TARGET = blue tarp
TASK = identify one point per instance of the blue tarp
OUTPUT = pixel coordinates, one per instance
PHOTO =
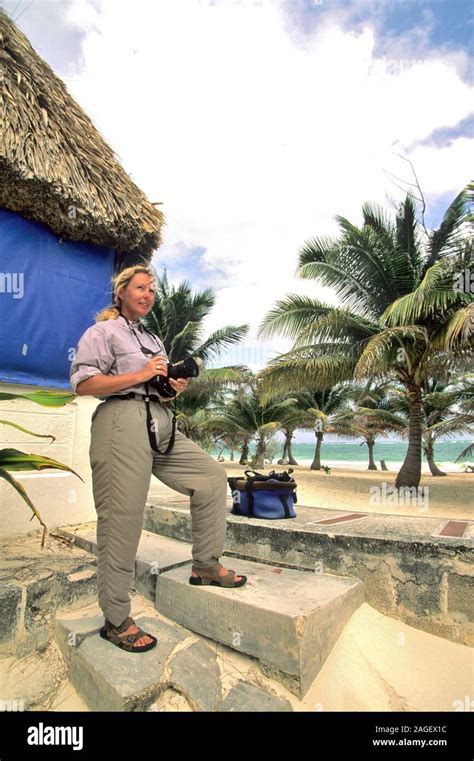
(49, 294)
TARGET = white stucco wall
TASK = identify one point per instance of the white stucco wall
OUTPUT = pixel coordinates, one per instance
(60, 497)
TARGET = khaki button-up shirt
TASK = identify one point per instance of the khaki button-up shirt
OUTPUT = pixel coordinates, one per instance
(110, 348)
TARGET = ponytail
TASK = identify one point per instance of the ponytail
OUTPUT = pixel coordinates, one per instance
(109, 313)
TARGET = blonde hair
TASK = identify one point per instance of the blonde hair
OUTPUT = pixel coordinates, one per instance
(121, 281)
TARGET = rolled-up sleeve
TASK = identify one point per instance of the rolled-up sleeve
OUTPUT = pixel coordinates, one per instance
(93, 356)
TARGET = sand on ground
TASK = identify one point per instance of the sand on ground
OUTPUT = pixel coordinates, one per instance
(377, 664)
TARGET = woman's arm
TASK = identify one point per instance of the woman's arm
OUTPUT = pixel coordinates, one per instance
(100, 385)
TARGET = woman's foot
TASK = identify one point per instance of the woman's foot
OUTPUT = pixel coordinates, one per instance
(133, 629)
(216, 576)
(127, 636)
(223, 571)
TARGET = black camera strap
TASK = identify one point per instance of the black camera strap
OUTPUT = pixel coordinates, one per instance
(152, 433)
(149, 419)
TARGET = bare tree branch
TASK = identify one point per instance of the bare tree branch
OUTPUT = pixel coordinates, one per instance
(422, 201)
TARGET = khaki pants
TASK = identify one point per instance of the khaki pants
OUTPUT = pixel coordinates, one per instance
(122, 462)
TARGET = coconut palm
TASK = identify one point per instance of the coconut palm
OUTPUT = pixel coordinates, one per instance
(294, 417)
(374, 415)
(447, 410)
(398, 309)
(247, 415)
(320, 408)
(177, 317)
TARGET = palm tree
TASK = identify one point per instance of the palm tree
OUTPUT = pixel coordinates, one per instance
(374, 415)
(321, 407)
(467, 452)
(448, 410)
(398, 309)
(231, 442)
(208, 388)
(177, 317)
(294, 417)
(247, 415)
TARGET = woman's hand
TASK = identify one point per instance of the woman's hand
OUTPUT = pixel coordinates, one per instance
(156, 366)
(178, 385)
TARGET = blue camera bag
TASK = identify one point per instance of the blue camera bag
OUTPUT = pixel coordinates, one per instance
(272, 497)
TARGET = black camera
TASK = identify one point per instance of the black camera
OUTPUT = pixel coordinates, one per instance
(186, 368)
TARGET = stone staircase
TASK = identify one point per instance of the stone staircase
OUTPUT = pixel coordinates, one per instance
(289, 619)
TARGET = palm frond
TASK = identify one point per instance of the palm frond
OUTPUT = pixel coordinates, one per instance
(446, 237)
(380, 354)
(459, 331)
(290, 316)
(338, 325)
(220, 340)
(435, 294)
(408, 246)
(291, 372)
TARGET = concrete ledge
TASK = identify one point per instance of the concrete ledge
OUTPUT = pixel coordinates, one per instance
(410, 571)
(288, 619)
(155, 554)
(110, 679)
(34, 585)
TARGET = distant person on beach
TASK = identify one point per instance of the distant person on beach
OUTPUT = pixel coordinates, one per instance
(130, 436)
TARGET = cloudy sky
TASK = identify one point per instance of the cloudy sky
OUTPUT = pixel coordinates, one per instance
(254, 123)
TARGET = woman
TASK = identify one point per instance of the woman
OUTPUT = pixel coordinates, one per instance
(130, 439)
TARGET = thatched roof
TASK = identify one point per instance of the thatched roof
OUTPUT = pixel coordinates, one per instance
(55, 167)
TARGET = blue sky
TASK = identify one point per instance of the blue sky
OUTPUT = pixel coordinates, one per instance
(450, 22)
(255, 123)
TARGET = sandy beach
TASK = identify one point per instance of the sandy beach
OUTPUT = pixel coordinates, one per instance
(450, 496)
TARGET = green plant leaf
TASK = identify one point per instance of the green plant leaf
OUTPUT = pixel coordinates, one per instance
(13, 459)
(26, 430)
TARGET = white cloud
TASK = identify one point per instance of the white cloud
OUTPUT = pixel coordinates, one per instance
(254, 143)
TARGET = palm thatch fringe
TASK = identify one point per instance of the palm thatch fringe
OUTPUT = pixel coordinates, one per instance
(55, 166)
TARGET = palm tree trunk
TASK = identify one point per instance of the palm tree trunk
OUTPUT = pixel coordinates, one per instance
(371, 443)
(232, 455)
(260, 453)
(284, 450)
(410, 472)
(316, 464)
(291, 459)
(429, 454)
(245, 452)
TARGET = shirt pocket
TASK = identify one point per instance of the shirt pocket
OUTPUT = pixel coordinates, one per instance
(131, 361)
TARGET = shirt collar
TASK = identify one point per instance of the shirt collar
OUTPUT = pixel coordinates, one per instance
(135, 324)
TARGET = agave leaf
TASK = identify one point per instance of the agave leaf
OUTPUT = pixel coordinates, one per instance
(26, 430)
(21, 491)
(13, 459)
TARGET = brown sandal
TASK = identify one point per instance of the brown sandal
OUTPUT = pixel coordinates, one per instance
(210, 577)
(111, 633)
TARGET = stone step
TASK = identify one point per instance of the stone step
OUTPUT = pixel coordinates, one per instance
(34, 584)
(110, 679)
(155, 554)
(416, 568)
(290, 620)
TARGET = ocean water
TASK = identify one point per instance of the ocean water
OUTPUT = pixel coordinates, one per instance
(350, 454)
